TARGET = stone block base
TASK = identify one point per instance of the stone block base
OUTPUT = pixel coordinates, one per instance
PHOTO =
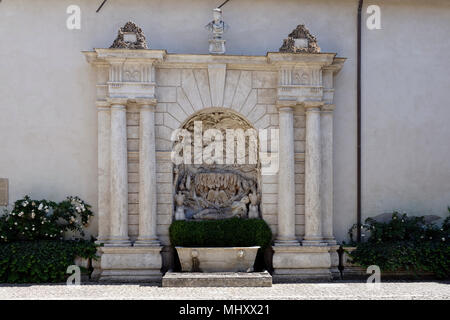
(217, 279)
(130, 264)
(301, 263)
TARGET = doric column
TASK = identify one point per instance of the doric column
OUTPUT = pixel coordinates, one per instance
(147, 172)
(326, 187)
(286, 178)
(313, 223)
(103, 172)
(119, 175)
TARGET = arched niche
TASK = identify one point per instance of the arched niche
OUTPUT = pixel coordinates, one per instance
(221, 177)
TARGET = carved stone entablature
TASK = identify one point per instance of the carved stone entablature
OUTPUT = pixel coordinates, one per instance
(130, 36)
(131, 73)
(300, 40)
(300, 77)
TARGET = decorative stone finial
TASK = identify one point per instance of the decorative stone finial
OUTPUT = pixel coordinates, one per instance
(130, 36)
(300, 40)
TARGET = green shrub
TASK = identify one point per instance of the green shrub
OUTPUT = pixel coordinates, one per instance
(41, 219)
(233, 232)
(41, 261)
(405, 243)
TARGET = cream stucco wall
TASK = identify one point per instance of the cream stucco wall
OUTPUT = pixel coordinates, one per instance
(48, 119)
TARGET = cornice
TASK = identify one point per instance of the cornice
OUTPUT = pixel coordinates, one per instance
(271, 61)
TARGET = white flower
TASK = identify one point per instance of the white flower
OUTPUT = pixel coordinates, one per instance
(443, 239)
(15, 223)
(33, 215)
(33, 204)
(40, 207)
(25, 203)
(32, 229)
(46, 210)
(21, 214)
(42, 222)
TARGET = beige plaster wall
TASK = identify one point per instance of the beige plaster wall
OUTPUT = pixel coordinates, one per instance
(48, 126)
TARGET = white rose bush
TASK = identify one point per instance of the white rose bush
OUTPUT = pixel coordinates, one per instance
(44, 220)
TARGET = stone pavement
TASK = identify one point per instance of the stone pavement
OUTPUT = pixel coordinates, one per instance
(432, 290)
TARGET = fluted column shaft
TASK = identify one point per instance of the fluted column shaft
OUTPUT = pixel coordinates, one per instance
(147, 182)
(103, 172)
(286, 179)
(326, 188)
(313, 223)
(119, 176)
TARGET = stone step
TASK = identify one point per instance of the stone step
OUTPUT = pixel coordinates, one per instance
(217, 279)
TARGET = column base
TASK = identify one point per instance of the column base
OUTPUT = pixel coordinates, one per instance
(314, 241)
(147, 242)
(331, 241)
(101, 240)
(301, 263)
(118, 242)
(289, 243)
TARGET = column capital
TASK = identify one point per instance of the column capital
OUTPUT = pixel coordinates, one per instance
(117, 101)
(102, 105)
(149, 103)
(286, 105)
(312, 105)
(328, 108)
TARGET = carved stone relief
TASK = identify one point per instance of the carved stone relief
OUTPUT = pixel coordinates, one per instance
(219, 190)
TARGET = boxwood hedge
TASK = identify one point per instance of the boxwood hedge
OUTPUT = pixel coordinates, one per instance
(234, 232)
(41, 261)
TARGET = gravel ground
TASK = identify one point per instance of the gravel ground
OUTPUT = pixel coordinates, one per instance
(303, 291)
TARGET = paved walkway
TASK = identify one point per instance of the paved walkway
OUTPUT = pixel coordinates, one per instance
(304, 291)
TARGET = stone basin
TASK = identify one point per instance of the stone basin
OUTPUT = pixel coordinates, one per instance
(222, 259)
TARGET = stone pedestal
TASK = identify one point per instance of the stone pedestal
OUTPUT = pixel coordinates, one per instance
(217, 46)
(132, 264)
(334, 256)
(300, 263)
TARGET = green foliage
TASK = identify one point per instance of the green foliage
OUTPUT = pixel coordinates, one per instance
(405, 243)
(41, 261)
(41, 219)
(233, 232)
